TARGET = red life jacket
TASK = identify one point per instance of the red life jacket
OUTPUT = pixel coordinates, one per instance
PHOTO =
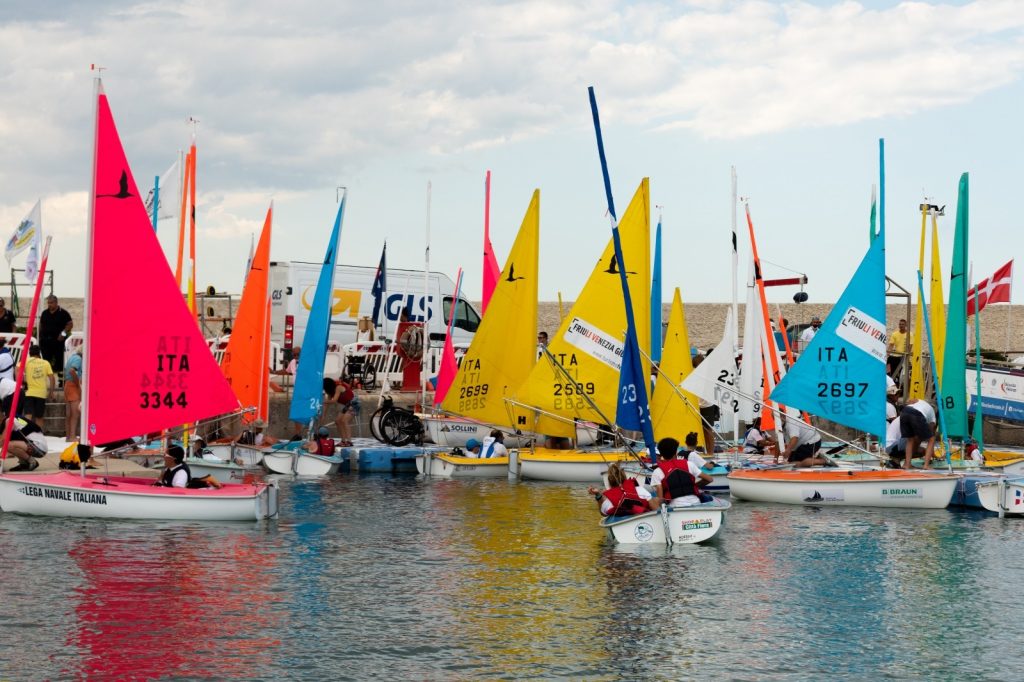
(325, 446)
(678, 484)
(625, 500)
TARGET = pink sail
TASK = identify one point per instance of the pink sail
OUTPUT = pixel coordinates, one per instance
(449, 368)
(147, 365)
(491, 270)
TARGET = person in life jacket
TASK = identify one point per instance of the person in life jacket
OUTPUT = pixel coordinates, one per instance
(678, 480)
(323, 444)
(624, 497)
(176, 473)
(494, 445)
(757, 442)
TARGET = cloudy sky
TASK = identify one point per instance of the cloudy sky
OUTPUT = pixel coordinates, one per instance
(295, 99)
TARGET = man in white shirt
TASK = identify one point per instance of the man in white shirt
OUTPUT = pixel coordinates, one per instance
(803, 443)
(917, 426)
(808, 334)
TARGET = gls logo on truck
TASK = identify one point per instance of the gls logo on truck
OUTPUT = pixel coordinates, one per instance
(349, 300)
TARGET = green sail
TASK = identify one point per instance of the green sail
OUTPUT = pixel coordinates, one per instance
(954, 365)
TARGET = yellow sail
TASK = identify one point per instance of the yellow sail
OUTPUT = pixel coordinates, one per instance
(938, 303)
(504, 349)
(671, 414)
(589, 342)
(916, 368)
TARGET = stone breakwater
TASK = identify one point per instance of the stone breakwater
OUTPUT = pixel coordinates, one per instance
(704, 321)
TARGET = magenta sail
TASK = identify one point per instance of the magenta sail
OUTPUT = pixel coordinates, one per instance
(161, 373)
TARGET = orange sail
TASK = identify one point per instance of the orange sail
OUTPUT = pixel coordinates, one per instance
(246, 360)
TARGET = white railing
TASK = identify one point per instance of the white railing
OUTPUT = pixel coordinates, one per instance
(388, 365)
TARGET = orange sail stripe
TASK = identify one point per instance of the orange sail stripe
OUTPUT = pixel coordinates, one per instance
(181, 218)
(246, 359)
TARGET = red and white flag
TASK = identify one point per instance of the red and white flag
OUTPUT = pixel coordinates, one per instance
(995, 289)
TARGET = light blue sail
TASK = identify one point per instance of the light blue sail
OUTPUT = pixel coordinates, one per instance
(841, 374)
(307, 398)
(656, 298)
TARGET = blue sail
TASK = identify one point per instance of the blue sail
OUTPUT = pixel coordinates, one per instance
(633, 412)
(841, 374)
(307, 398)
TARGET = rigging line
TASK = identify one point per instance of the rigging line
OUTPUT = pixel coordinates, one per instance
(783, 267)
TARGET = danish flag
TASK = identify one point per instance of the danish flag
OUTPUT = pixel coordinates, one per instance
(995, 289)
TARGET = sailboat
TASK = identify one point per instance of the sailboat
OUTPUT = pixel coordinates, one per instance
(840, 376)
(165, 377)
(307, 398)
(679, 524)
(577, 378)
(246, 363)
(501, 356)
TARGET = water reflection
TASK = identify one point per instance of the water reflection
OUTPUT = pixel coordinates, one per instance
(164, 600)
(490, 579)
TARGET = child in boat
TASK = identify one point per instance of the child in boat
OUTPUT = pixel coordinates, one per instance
(678, 479)
(757, 442)
(624, 497)
(323, 444)
(494, 445)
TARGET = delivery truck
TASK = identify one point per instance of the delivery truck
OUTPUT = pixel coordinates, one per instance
(293, 284)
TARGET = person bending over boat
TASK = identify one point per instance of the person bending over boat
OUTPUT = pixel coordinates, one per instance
(27, 443)
(803, 443)
(917, 425)
(340, 393)
(624, 497)
(323, 444)
(176, 473)
(677, 480)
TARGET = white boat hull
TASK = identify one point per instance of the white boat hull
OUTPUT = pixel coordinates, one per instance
(570, 466)
(110, 497)
(224, 472)
(301, 463)
(1003, 497)
(844, 488)
(443, 465)
(676, 525)
(246, 455)
(451, 432)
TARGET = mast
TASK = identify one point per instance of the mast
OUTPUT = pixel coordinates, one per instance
(426, 308)
(83, 429)
(735, 298)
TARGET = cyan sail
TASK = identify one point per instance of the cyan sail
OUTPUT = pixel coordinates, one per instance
(954, 361)
(307, 398)
(840, 376)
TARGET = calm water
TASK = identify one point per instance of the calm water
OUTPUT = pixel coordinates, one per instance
(371, 576)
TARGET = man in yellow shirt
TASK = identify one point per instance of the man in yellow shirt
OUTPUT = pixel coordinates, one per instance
(40, 384)
(898, 347)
